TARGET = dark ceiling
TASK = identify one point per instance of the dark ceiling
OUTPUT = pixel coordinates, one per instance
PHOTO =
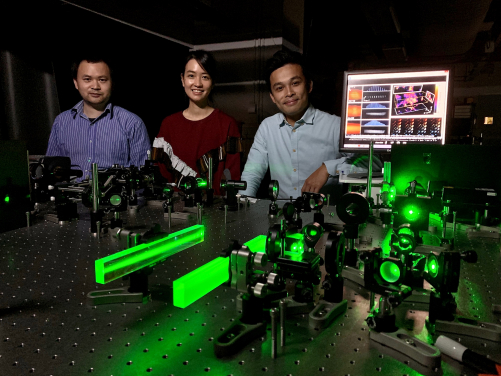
(357, 33)
(385, 33)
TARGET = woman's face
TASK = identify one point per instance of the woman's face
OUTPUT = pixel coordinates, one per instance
(196, 82)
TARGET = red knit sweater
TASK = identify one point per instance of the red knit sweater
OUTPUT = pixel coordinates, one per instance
(192, 139)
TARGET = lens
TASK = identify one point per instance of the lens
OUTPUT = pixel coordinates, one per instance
(115, 200)
(201, 183)
(432, 265)
(411, 213)
(389, 271)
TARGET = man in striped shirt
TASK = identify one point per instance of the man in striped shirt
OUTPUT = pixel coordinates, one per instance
(94, 130)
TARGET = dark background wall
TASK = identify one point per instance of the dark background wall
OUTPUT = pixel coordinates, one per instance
(39, 43)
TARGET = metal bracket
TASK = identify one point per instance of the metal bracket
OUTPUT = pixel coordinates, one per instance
(296, 308)
(120, 295)
(471, 328)
(419, 295)
(421, 352)
(325, 312)
(354, 275)
(237, 336)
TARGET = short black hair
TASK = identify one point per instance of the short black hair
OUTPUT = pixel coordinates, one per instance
(205, 60)
(282, 58)
(91, 58)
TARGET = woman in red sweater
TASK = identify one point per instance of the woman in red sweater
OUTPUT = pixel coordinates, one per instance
(189, 135)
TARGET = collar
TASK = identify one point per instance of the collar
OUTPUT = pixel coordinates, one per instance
(78, 110)
(307, 118)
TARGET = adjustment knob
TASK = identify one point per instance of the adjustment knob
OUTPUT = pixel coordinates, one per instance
(273, 279)
(260, 290)
(260, 259)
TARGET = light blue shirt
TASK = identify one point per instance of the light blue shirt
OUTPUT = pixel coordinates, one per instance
(293, 153)
(117, 136)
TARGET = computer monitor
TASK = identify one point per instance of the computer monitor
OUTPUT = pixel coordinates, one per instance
(397, 106)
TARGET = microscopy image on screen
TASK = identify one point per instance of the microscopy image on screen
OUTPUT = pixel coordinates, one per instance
(354, 111)
(420, 127)
(416, 127)
(377, 93)
(355, 93)
(353, 127)
(434, 127)
(375, 127)
(421, 102)
(403, 126)
(405, 89)
(376, 110)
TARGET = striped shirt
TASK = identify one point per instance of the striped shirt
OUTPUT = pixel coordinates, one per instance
(117, 136)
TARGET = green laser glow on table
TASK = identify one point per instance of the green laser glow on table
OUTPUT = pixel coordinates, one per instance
(122, 263)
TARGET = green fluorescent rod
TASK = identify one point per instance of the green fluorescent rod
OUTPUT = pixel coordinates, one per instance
(122, 263)
(192, 286)
(258, 244)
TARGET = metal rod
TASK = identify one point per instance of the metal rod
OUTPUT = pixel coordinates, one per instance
(444, 229)
(95, 188)
(73, 189)
(283, 315)
(328, 199)
(387, 172)
(369, 175)
(454, 223)
(225, 213)
(274, 316)
(351, 243)
(372, 299)
(199, 214)
(210, 174)
(169, 210)
(131, 25)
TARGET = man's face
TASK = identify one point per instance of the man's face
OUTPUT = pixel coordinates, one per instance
(93, 82)
(289, 91)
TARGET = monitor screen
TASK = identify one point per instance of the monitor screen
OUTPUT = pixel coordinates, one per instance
(392, 107)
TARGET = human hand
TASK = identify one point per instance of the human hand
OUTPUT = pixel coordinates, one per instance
(316, 180)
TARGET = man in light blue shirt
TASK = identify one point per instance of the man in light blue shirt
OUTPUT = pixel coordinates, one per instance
(300, 144)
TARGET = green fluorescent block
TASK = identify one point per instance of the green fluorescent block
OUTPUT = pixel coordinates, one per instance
(294, 246)
(122, 263)
(258, 244)
(192, 286)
